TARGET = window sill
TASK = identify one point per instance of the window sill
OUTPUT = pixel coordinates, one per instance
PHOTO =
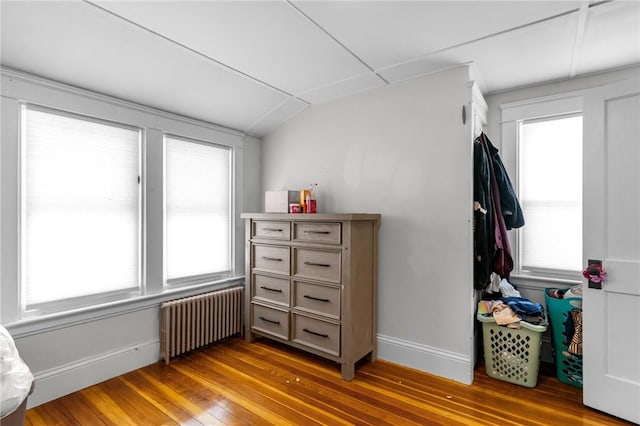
(543, 282)
(46, 323)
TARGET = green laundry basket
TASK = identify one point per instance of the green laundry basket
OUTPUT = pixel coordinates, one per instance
(512, 355)
(568, 366)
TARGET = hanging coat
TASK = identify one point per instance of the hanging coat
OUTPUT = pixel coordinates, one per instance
(494, 193)
(510, 207)
(483, 230)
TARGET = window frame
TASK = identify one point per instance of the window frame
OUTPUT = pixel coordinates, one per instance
(518, 263)
(44, 308)
(201, 278)
(512, 115)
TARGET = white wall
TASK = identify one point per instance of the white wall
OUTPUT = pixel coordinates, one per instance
(72, 350)
(401, 151)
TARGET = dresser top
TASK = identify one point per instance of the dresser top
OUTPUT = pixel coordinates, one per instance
(312, 216)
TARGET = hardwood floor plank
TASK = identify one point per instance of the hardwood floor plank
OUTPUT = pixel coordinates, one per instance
(111, 411)
(359, 393)
(81, 409)
(138, 409)
(215, 402)
(163, 401)
(304, 369)
(273, 406)
(70, 411)
(265, 383)
(308, 393)
(199, 412)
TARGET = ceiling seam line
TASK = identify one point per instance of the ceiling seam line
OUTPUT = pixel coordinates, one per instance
(271, 111)
(577, 42)
(222, 64)
(327, 33)
(516, 28)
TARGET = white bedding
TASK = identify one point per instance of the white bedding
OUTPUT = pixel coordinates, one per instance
(15, 377)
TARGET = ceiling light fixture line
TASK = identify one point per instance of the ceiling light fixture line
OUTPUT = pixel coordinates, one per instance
(222, 64)
(577, 42)
(336, 40)
(508, 30)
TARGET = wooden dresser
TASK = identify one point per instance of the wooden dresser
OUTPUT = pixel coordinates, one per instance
(311, 283)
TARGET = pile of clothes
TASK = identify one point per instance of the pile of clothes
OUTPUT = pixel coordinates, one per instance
(510, 311)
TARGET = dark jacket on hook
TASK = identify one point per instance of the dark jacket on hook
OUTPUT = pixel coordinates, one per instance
(496, 209)
(483, 234)
(511, 210)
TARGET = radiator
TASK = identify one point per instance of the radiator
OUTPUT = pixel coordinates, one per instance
(192, 322)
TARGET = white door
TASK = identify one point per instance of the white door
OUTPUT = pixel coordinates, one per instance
(611, 316)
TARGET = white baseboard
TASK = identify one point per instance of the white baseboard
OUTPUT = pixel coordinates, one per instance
(432, 360)
(63, 380)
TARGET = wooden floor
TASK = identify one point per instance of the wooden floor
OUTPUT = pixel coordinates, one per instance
(236, 383)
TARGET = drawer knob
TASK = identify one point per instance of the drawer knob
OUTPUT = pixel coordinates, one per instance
(317, 232)
(273, 259)
(324, 265)
(306, 296)
(276, 290)
(269, 320)
(306, 330)
(273, 229)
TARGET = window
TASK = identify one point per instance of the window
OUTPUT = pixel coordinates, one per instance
(80, 207)
(198, 225)
(550, 176)
(542, 149)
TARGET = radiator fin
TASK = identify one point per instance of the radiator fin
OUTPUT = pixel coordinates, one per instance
(191, 322)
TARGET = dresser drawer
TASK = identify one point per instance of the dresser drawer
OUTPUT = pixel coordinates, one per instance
(270, 229)
(321, 335)
(328, 233)
(317, 264)
(317, 299)
(271, 258)
(271, 289)
(270, 320)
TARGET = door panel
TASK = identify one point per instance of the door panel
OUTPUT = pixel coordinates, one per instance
(622, 177)
(611, 317)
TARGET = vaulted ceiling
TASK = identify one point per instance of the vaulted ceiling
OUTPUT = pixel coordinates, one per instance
(251, 65)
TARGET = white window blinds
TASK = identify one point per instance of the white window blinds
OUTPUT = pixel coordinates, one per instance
(550, 190)
(197, 208)
(80, 207)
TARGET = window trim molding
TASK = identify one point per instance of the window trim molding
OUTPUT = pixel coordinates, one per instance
(512, 114)
(43, 308)
(545, 106)
(196, 279)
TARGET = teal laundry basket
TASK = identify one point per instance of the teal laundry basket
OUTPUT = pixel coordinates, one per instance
(509, 354)
(568, 366)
